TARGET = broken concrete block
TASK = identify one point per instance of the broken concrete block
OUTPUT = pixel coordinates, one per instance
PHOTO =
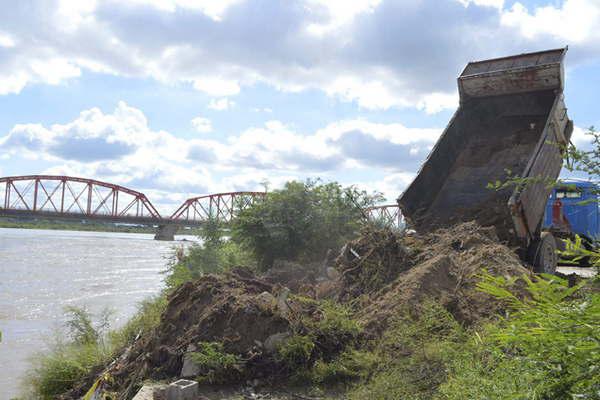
(147, 392)
(190, 369)
(183, 389)
(161, 392)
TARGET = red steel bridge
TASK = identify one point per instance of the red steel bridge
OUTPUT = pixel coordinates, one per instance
(67, 197)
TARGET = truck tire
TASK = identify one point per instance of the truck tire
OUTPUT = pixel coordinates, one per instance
(542, 254)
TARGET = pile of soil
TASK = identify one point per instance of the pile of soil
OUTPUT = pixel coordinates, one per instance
(381, 274)
(443, 266)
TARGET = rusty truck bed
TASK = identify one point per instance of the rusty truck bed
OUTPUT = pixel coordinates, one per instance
(495, 133)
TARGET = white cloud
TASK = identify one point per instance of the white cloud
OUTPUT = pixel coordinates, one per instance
(377, 53)
(574, 21)
(221, 104)
(120, 147)
(216, 86)
(202, 125)
(6, 40)
(484, 3)
(338, 13)
(211, 8)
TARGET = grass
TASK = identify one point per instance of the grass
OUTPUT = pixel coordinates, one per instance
(88, 345)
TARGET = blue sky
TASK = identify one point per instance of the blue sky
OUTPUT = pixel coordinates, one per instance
(187, 97)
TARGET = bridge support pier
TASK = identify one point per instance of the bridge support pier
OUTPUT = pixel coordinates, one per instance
(166, 232)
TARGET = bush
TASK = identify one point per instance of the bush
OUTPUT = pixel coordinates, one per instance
(215, 364)
(214, 255)
(296, 351)
(300, 222)
(70, 361)
(548, 348)
(350, 365)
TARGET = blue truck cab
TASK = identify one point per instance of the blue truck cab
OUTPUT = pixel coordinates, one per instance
(573, 209)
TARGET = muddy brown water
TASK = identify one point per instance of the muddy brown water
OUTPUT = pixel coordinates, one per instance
(43, 271)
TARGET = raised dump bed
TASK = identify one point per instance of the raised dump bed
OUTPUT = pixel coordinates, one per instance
(511, 121)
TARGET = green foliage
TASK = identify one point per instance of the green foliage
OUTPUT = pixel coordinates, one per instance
(587, 161)
(81, 328)
(295, 351)
(215, 255)
(215, 364)
(333, 329)
(301, 221)
(68, 362)
(351, 365)
(548, 348)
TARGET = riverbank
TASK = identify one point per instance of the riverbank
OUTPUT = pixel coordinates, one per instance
(11, 223)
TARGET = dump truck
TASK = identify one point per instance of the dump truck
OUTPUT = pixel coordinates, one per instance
(511, 123)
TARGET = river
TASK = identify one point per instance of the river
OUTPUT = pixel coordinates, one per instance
(44, 271)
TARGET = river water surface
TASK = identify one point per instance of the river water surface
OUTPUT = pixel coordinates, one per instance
(44, 271)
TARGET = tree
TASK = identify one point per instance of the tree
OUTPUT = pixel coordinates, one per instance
(301, 221)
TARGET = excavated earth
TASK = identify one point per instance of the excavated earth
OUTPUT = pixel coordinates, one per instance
(377, 275)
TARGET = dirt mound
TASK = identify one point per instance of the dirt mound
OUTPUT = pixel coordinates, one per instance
(238, 310)
(372, 261)
(381, 274)
(444, 266)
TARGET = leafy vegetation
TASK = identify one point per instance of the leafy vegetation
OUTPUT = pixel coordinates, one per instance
(300, 222)
(215, 364)
(296, 351)
(215, 254)
(70, 360)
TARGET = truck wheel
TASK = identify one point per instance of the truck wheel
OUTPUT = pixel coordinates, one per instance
(542, 254)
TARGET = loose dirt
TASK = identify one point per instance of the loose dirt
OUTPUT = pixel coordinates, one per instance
(378, 275)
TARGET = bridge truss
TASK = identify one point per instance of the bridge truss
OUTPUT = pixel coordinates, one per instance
(389, 215)
(66, 196)
(222, 207)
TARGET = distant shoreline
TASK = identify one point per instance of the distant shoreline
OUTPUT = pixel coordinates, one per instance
(73, 226)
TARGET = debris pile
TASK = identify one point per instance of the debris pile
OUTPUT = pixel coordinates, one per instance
(445, 266)
(247, 317)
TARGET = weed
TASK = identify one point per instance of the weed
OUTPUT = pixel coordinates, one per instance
(296, 351)
(216, 365)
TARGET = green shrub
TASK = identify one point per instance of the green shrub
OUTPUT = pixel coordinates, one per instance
(215, 255)
(350, 365)
(67, 362)
(296, 351)
(335, 322)
(216, 365)
(300, 222)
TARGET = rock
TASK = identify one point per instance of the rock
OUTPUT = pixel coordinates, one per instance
(266, 301)
(183, 389)
(148, 392)
(333, 273)
(273, 341)
(190, 369)
(282, 304)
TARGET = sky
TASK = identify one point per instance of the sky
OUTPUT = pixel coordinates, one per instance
(180, 98)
